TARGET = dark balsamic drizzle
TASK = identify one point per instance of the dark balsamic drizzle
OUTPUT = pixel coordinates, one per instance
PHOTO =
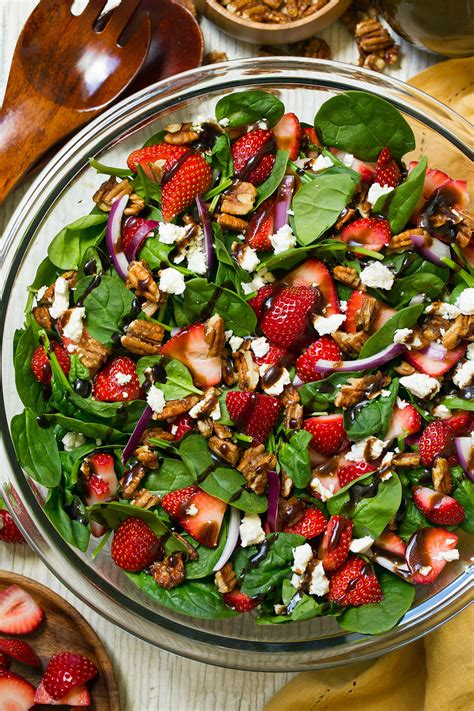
(268, 147)
(168, 174)
(93, 285)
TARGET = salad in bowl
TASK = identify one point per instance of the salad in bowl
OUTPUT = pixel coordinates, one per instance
(248, 372)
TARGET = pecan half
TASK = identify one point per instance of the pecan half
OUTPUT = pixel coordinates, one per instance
(404, 368)
(293, 417)
(236, 224)
(358, 389)
(146, 456)
(110, 191)
(290, 396)
(403, 240)
(91, 353)
(441, 476)
(157, 433)
(145, 499)
(143, 337)
(205, 427)
(180, 134)
(248, 374)
(465, 229)
(173, 408)
(140, 279)
(226, 579)
(462, 327)
(286, 484)
(222, 431)
(214, 57)
(214, 334)
(350, 343)
(131, 479)
(42, 316)
(239, 199)
(347, 275)
(225, 449)
(406, 460)
(206, 406)
(169, 572)
(254, 465)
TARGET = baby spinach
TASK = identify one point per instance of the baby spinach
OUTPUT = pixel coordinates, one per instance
(171, 475)
(77, 370)
(195, 453)
(412, 521)
(228, 485)
(221, 156)
(179, 381)
(403, 200)
(155, 253)
(405, 288)
(228, 270)
(378, 617)
(145, 187)
(318, 395)
(45, 275)
(363, 124)
(285, 260)
(267, 188)
(373, 418)
(31, 392)
(106, 305)
(244, 107)
(94, 430)
(36, 449)
(237, 314)
(458, 403)
(294, 458)
(110, 170)
(318, 204)
(67, 248)
(405, 318)
(74, 532)
(208, 557)
(273, 568)
(464, 493)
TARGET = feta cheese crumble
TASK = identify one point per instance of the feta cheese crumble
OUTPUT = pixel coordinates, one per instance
(168, 233)
(377, 275)
(402, 404)
(156, 400)
(247, 259)
(361, 545)
(257, 282)
(277, 387)
(343, 306)
(328, 324)
(260, 346)
(317, 487)
(470, 352)
(319, 584)
(192, 510)
(425, 570)
(235, 342)
(376, 190)
(123, 378)
(447, 311)
(465, 302)
(40, 293)
(197, 260)
(464, 374)
(171, 281)
(452, 554)
(442, 412)
(301, 557)
(367, 449)
(401, 335)
(251, 531)
(72, 440)
(61, 298)
(283, 239)
(420, 385)
(321, 163)
(74, 327)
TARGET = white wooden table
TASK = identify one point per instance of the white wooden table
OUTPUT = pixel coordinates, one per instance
(150, 679)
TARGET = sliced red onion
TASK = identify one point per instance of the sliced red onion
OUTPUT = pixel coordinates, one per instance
(113, 237)
(297, 382)
(232, 538)
(435, 351)
(434, 252)
(465, 455)
(139, 236)
(273, 496)
(283, 202)
(347, 366)
(207, 229)
(412, 439)
(135, 437)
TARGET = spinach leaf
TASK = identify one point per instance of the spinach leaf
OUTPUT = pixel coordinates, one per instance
(155, 253)
(305, 608)
(244, 107)
(77, 370)
(31, 392)
(106, 305)
(374, 417)
(237, 314)
(221, 156)
(274, 567)
(379, 617)
(74, 532)
(179, 381)
(109, 170)
(363, 124)
(318, 204)
(229, 485)
(405, 318)
(273, 181)
(145, 187)
(403, 200)
(458, 403)
(405, 288)
(208, 557)
(94, 430)
(195, 453)
(294, 458)
(67, 248)
(285, 260)
(195, 599)
(171, 475)
(45, 275)
(464, 493)
(318, 395)
(228, 270)
(412, 521)
(154, 139)
(36, 449)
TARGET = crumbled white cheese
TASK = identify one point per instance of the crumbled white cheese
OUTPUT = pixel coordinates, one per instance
(215, 413)
(385, 393)
(387, 459)
(447, 311)
(301, 557)
(71, 348)
(452, 554)
(442, 412)
(72, 440)
(198, 122)
(375, 191)
(402, 404)
(263, 123)
(377, 276)
(470, 352)
(40, 293)
(192, 510)
(247, 259)
(328, 324)
(197, 260)
(420, 385)
(171, 281)
(98, 442)
(319, 584)
(123, 378)
(260, 346)
(156, 400)
(170, 233)
(228, 334)
(386, 476)
(464, 374)
(174, 429)
(61, 298)
(425, 570)
(367, 449)
(279, 609)
(361, 545)
(401, 335)
(343, 306)
(235, 342)
(317, 487)
(417, 299)
(251, 531)
(321, 163)
(74, 327)
(465, 302)
(283, 239)
(257, 282)
(224, 121)
(277, 387)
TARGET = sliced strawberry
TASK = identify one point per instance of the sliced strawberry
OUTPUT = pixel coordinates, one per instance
(334, 547)
(310, 135)
(190, 347)
(109, 385)
(436, 439)
(404, 421)
(365, 170)
(257, 302)
(354, 306)
(433, 367)
(199, 513)
(164, 152)
(65, 671)
(102, 465)
(311, 524)
(324, 482)
(9, 531)
(253, 414)
(40, 362)
(78, 697)
(134, 545)
(276, 356)
(192, 177)
(248, 147)
(287, 134)
(286, 317)
(324, 348)
(100, 486)
(16, 694)
(21, 651)
(355, 583)
(434, 179)
(183, 424)
(425, 553)
(391, 543)
(329, 435)
(314, 273)
(237, 600)
(458, 194)
(96, 490)
(370, 232)
(131, 227)
(351, 472)
(260, 227)
(387, 171)
(4, 662)
(19, 613)
(460, 423)
(436, 507)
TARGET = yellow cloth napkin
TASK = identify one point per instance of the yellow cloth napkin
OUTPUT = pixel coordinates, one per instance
(437, 672)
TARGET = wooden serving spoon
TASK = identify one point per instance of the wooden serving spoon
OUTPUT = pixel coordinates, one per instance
(63, 74)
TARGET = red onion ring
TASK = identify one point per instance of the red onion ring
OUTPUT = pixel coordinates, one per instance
(135, 437)
(113, 237)
(434, 252)
(283, 201)
(435, 351)
(348, 366)
(207, 229)
(232, 538)
(464, 448)
(273, 496)
(139, 236)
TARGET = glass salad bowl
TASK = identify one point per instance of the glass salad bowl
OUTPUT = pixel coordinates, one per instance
(61, 193)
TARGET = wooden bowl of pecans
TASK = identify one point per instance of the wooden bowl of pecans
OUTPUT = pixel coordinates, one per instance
(272, 21)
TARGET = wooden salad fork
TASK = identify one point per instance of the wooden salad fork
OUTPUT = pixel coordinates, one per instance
(64, 72)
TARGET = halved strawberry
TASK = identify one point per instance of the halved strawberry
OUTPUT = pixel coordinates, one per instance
(158, 152)
(324, 348)
(433, 367)
(370, 232)
(437, 438)
(192, 177)
(190, 347)
(16, 694)
(199, 513)
(183, 424)
(286, 319)
(134, 545)
(77, 697)
(355, 583)
(365, 170)
(246, 148)
(460, 423)
(329, 435)
(354, 307)
(434, 179)
(311, 524)
(66, 671)
(19, 613)
(21, 651)
(257, 302)
(404, 421)
(315, 273)
(276, 356)
(4, 662)
(436, 507)
(351, 472)
(40, 362)
(117, 381)
(102, 465)
(326, 483)
(260, 227)
(287, 134)
(237, 600)
(456, 192)
(131, 227)
(253, 414)
(387, 171)
(9, 531)
(425, 553)
(390, 542)
(334, 547)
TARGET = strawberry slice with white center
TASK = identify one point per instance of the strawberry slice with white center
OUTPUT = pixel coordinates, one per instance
(101, 485)
(387, 171)
(404, 421)
(329, 435)
(287, 134)
(370, 232)
(324, 486)
(437, 507)
(199, 513)
(260, 227)
(19, 613)
(77, 697)
(16, 694)
(427, 553)
(325, 348)
(434, 367)
(314, 273)
(354, 307)
(253, 414)
(189, 346)
(102, 464)
(365, 170)
(390, 542)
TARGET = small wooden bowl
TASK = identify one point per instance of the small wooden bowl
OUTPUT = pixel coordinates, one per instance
(263, 33)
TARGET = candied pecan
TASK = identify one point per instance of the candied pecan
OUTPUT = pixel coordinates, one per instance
(286, 484)
(350, 343)
(346, 216)
(347, 275)
(146, 456)
(141, 279)
(274, 16)
(206, 406)
(205, 427)
(169, 572)
(110, 191)
(42, 316)
(91, 353)
(157, 433)
(236, 224)
(214, 334)
(290, 511)
(238, 5)
(131, 479)
(315, 47)
(293, 417)
(372, 36)
(222, 431)
(406, 460)
(239, 198)
(292, 9)
(226, 579)
(441, 476)
(173, 408)
(461, 327)
(404, 368)
(465, 229)
(366, 314)
(403, 240)
(214, 57)
(273, 4)
(145, 499)
(143, 337)
(180, 134)
(229, 376)
(290, 396)
(248, 374)
(374, 62)
(254, 465)
(189, 5)
(358, 389)
(225, 449)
